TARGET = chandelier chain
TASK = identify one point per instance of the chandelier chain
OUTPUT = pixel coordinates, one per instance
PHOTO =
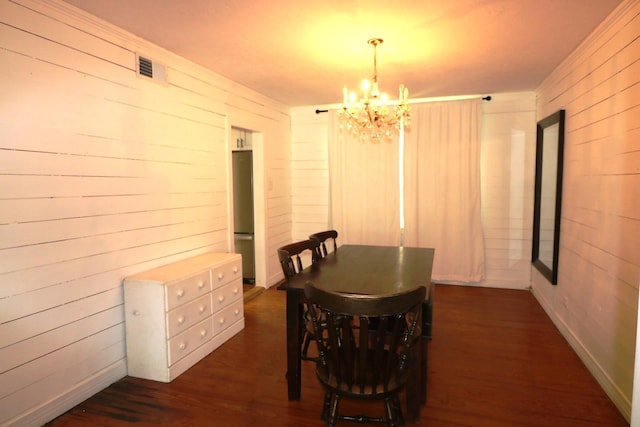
(375, 43)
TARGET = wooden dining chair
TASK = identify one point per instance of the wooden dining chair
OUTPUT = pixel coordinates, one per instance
(364, 353)
(323, 237)
(290, 257)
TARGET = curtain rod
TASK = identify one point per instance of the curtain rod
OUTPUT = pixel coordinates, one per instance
(484, 98)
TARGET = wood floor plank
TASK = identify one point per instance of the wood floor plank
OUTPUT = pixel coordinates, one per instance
(495, 360)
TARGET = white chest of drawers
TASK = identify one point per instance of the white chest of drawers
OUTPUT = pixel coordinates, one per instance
(178, 313)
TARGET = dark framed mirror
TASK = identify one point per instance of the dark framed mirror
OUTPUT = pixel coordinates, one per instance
(548, 195)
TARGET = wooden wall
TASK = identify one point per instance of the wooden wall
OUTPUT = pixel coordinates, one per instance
(596, 300)
(508, 160)
(103, 174)
(507, 188)
(309, 172)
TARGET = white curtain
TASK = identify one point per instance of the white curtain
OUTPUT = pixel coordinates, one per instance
(442, 187)
(364, 188)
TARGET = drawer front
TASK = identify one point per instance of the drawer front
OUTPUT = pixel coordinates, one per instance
(187, 290)
(227, 272)
(183, 344)
(227, 317)
(184, 316)
(227, 294)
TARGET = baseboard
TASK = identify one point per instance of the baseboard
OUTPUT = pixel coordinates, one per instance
(505, 284)
(251, 292)
(490, 284)
(275, 280)
(53, 408)
(610, 388)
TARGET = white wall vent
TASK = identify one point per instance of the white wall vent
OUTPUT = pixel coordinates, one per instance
(154, 70)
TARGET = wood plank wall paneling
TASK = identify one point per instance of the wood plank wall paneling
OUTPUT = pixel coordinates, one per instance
(508, 159)
(309, 172)
(595, 301)
(103, 174)
(507, 182)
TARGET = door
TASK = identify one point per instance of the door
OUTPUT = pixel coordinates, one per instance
(243, 212)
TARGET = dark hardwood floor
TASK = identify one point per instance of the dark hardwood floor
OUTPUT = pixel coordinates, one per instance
(495, 360)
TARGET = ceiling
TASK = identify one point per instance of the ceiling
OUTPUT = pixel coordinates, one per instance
(303, 53)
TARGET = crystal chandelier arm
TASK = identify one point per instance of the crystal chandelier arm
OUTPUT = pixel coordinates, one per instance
(373, 117)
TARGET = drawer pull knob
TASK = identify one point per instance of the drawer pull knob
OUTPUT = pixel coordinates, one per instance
(235, 291)
(220, 276)
(183, 345)
(180, 293)
(235, 269)
(200, 285)
(221, 321)
(221, 298)
(180, 320)
(202, 308)
(203, 333)
(236, 312)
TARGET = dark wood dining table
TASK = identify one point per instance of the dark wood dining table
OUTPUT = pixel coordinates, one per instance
(375, 270)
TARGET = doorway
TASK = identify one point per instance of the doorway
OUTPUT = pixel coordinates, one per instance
(243, 203)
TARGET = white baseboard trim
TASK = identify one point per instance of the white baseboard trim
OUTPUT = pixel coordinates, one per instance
(53, 408)
(622, 402)
(490, 284)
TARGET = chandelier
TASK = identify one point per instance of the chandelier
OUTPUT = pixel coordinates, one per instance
(374, 117)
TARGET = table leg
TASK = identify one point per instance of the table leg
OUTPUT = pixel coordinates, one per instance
(413, 387)
(423, 370)
(293, 345)
(427, 333)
